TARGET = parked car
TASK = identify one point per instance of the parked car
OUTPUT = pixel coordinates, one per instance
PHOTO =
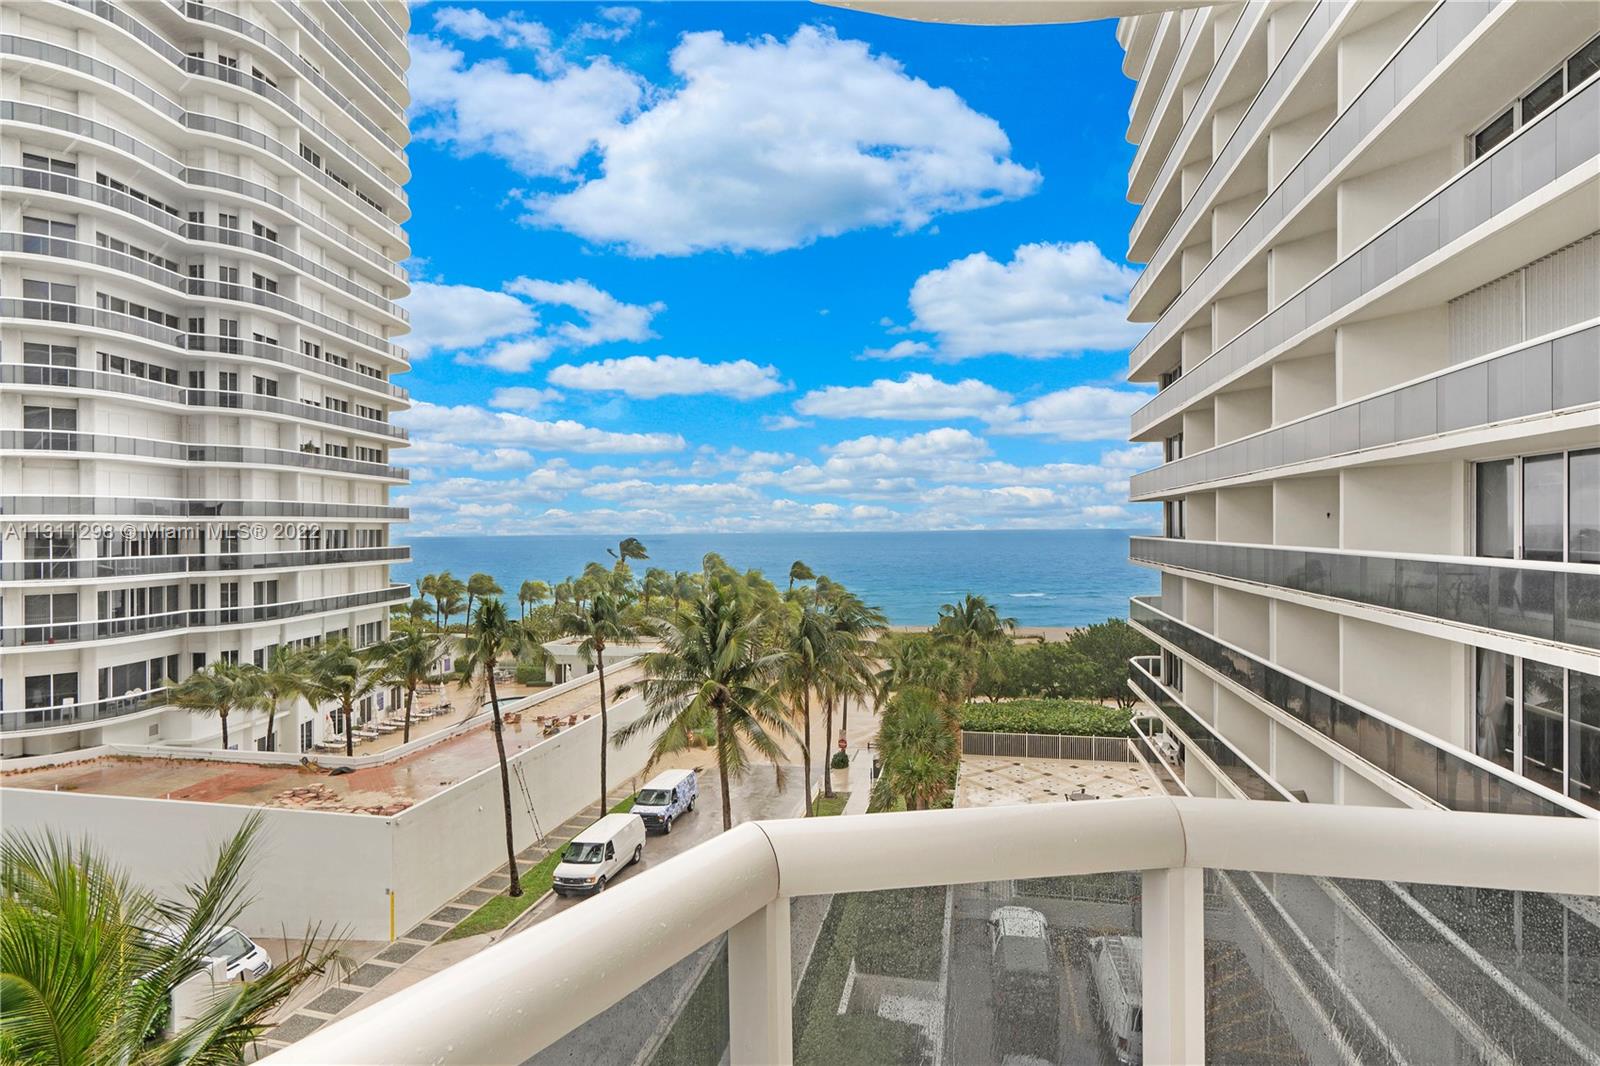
(1026, 989)
(597, 854)
(245, 959)
(667, 796)
(1115, 963)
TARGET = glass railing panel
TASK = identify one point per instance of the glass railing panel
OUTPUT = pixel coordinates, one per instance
(676, 1018)
(1419, 973)
(1014, 971)
(1193, 731)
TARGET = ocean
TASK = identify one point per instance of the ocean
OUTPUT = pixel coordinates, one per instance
(1038, 577)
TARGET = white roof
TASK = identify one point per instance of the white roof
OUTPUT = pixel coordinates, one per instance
(605, 828)
(1018, 921)
(669, 778)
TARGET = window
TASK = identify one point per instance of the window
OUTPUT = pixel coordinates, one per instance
(49, 617)
(48, 364)
(1540, 721)
(55, 166)
(264, 231)
(228, 380)
(228, 221)
(1173, 518)
(1172, 447)
(1538, 99)
(264, 591)
(46, 227)
(54, 291)
(49, 690)
(1542, 507)
(264, 283)
(47, 428)
(265, 386)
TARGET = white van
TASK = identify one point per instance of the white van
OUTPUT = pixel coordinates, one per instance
(1117, 963)
(668, 795)
(596, 855)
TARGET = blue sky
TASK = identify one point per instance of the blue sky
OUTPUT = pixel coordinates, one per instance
(748, 266)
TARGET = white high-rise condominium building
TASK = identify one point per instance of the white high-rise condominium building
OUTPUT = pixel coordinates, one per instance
(200, 211)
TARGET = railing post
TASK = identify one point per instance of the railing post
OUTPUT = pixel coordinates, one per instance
(760, 992)
(1174, 967)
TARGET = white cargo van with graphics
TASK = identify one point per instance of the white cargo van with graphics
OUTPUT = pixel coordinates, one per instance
(667, 796)
(596, 855)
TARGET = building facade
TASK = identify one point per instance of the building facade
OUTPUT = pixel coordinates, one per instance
(1371, 237)
(200, 239)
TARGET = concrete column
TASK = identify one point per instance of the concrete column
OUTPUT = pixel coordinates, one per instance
(1174, 967)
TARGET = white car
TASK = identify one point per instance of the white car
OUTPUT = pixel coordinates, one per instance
(245, 959)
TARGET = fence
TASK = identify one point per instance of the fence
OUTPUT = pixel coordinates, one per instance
(1046, 746)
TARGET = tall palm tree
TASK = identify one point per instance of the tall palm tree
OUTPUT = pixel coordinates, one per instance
(714, 665)
(284, 681)
(337, 673)
(628, 548)
(685, 585)
(799, 571)
(917, 752)
(449, 598)
(595, 624)
(975, 630)
(491, 634)
(657, 584)
(480, 585)
(408, 659)
(803, 645)
(428, 585)
(220, 689)
(531, 594)
(83, 979)
(856, 628)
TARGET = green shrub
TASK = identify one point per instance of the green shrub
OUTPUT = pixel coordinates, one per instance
(1065, 717)
(840, 761)
(529, 672)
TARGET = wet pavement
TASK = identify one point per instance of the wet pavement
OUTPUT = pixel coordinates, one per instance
(405, 781)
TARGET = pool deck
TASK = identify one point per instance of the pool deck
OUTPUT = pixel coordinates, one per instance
(380, 790)
(1001, 781)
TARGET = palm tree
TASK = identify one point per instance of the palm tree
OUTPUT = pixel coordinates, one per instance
(855, 629)
(448, 598)
(408, 659)
(531, 594)
(492, 634)
(594, 625)
(284, 681)
(657, 583)
(799, 571)
(220, 689)
(917, 752)
(803, 644)
(685, 585)
(428, 585)
(480, 585)
(338, 673)
(84, 981)
(628, 548)
(976, 631)
(714, 665)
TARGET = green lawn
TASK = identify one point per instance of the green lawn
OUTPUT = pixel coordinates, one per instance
(503, 910)
(823, 806)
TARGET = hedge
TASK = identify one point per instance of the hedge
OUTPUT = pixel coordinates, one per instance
(1074, 718)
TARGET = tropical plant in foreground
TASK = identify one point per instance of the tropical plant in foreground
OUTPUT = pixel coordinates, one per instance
(337, 673)
(222, 688)
(714, 664)
(594, 624)
(491, 635)
(84, 980)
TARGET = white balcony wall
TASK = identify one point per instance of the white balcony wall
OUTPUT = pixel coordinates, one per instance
(1191, 261)
(1199, 429)
(1194, 347)
(1299, 764)
(1370, 203)
(1232, 315)
(1306, 511)
(1378, 353)
(1242, 412)
(1305, 641)
(1418, 679)
(1244, 620)
(1189, 178)
(1200, 515)
(1291, 264)
(1199, 604)
(1288, 142)
(1350, 787)
(1302, 386)
(1244, 514)
(1363, 52)
(1228, 216)
(1244, 724)
(1419, 507)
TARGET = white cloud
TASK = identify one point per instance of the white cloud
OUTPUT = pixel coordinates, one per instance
(782, 422)
(913, 397)
(522, 398)
(898, 350)
(1049, 300)
(465, 424)
(604, 317)
(1082, 412)
(473, 25)
(647, 377)
(540, 125)
(615, 24)
(766, 145)
(449, 317)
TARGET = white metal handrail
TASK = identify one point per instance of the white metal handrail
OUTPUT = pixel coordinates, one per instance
(521, 995)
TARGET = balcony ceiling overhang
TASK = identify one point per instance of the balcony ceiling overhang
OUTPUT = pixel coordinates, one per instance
(1011, 12)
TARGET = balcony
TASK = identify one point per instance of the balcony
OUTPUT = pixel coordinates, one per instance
(1449, 776)
(1554, 602)
(158, 507)
(1212, 956)
(73, 715)
(134, 566)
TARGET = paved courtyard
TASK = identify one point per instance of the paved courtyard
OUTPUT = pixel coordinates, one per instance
(1003, 781)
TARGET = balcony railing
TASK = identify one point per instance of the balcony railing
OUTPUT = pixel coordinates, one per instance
(532, 989)
(80, 714)
(1449, 776)
(157, 507)
(179, 451)
(220, 563)
(1546, 601)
